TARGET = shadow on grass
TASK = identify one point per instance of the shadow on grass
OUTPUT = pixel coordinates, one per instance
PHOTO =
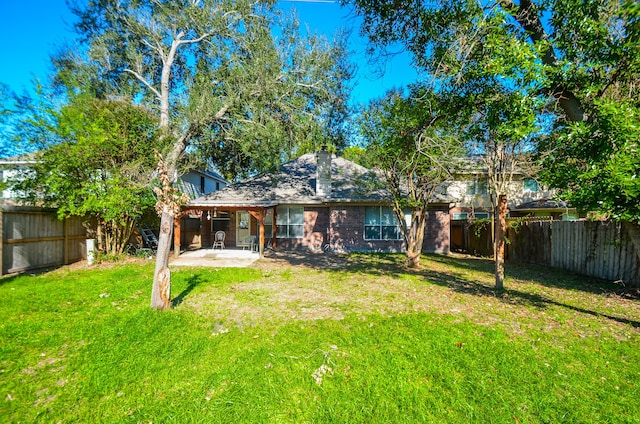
(514, 297)
(192, 282)
(381, 264)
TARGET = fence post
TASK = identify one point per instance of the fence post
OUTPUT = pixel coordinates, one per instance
(66, 240)
(634, 235)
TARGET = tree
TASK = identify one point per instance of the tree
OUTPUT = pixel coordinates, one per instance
(500, 132)
(569, 55)
(202, 64)
(95, 160)
(410, 142)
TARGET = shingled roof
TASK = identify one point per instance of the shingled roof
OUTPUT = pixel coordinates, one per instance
(295, 183)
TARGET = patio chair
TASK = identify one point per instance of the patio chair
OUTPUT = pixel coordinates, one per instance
(249, 242)
(218, 239)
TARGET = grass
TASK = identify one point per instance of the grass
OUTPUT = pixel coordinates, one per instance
(366, 341)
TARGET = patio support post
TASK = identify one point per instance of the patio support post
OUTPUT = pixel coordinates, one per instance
(176, 236)
(274, 229)
(259, 216)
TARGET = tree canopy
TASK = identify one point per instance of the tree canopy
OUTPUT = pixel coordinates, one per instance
(95, 161)
(236, 80)
(409, 139)
(580, 59)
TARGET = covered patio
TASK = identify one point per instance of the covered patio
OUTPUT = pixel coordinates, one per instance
(243, 228)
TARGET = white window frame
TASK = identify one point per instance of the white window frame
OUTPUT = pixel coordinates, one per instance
(380, 225)
(460, 215)
(287, 225)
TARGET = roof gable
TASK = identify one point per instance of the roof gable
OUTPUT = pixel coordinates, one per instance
(295, 183)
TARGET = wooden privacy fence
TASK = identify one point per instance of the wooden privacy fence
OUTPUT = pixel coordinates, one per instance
(469, 237)
(33, 238)
(592, 248)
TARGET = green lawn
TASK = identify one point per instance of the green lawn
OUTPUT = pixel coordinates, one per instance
(366, 342)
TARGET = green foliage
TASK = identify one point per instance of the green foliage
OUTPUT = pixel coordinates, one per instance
(597, 163)
(480, 225)
(97, 162)
(409, 139)
(572, 61)
(358, 155)
(243, 98)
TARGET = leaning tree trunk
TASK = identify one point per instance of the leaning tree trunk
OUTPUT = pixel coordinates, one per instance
(168, 206)
(500, 229)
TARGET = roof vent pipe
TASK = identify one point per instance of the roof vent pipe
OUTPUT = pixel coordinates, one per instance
(323, 177)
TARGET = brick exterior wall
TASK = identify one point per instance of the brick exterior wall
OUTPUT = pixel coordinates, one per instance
(347, 232)
(437, 231)
(341, 228)
(316, 224)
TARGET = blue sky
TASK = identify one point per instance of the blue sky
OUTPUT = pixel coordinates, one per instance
(32, 30)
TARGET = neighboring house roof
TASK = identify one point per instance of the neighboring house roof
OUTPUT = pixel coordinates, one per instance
(211, 174)
(543, 204)
(475, 165)
(295, 183)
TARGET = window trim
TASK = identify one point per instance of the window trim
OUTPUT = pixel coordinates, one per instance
(280, 212)
(479, 186)
(380, 225)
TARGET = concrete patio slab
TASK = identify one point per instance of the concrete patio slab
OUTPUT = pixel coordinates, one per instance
(217, 258)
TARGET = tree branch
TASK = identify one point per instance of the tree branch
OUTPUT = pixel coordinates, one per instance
(526, 14)
(144, 81)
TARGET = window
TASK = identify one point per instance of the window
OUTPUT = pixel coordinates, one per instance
(460, 215)
(268, 224)
(219, 221)
(478, 187)
(380, 224)
(481, 215)
(290, 222)
(202, 181)
(531, 185)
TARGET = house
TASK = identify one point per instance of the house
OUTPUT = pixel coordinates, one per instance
(196, 183)
(10, 169)
(317, 202)
(525, 197)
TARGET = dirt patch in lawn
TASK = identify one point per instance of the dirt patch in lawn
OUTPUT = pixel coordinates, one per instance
(308, 286)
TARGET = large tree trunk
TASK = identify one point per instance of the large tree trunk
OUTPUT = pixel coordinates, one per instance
(415, 239)
(500, 228)
(161, 291)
